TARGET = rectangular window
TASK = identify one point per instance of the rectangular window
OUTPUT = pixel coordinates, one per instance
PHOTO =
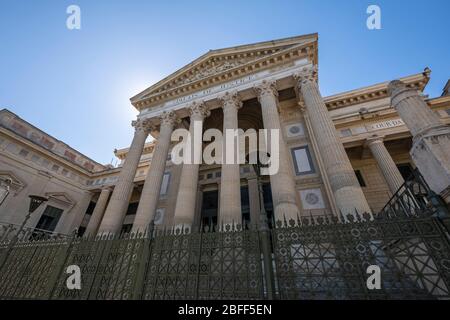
(55, 168)
(360, 178)
(49, 218)
(165, 184)
(346, 133)
(23, 153)
(302, 161)
(45, 163)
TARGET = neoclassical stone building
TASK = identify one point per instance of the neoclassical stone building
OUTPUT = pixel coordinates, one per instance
(348, 152)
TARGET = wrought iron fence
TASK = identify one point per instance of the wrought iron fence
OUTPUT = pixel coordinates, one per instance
(322, 257)
(312, 258)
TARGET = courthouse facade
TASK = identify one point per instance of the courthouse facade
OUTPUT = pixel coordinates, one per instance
(346, 153)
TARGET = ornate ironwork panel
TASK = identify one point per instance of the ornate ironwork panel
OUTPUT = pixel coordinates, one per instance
(30, 269)
(204, 265)
(322, 258)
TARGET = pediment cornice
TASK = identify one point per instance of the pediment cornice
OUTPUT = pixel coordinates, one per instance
(62, 198)
(223, 65)
(375, 92)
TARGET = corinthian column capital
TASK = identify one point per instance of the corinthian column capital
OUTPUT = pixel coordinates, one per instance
(230, 99)
(266, 87)
(169, 118)
(199, 110)
(306, 75)
(142, 125)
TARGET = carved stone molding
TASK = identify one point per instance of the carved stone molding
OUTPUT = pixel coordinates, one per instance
(143, 125)
(16, 184)
(266, 88)
(62, 199)
(169, 118)
(373, 139)
(306, 75)
(198, 109)
(230, 99)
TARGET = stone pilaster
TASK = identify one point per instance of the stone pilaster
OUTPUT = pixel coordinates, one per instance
(282, 183)
(98, 212)
(431, 138)
(390, 171)
(118, 204)
(230, 191)
(344, 184)
(152, 185)
(187, 190)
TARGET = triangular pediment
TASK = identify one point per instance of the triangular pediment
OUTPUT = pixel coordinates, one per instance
(226, 64)
(61, 198)
(8, 178)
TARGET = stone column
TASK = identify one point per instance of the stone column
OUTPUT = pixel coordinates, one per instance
(152, 185)
(390, 171)
(118, 204)
(99, 209)
(431, 138)
(230, 191)
(344, 184)
(187, 190)
(282, 183)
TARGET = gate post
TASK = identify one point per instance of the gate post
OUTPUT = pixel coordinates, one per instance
(265, 243)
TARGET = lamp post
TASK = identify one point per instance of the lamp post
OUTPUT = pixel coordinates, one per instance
(5, 186)
(263, 227)
(263, 221)
(35, 202)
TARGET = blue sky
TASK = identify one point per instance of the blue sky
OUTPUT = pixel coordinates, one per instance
(76, 85)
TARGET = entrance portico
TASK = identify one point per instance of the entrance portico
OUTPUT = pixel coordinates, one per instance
(220, 83)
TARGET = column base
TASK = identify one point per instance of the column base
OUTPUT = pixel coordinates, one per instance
(286, 211)
(351, 195)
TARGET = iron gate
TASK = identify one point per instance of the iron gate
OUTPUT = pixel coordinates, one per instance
(322, 257)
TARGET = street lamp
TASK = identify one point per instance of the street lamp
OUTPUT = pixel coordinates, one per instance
(263, 230)
(35, 202)
(5, 186)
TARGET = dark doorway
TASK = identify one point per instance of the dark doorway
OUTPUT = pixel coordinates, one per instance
(245, 206)
(268, 204)
(209, 208)
(405, 169)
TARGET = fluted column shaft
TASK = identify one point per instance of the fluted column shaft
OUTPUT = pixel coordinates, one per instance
(412, 109)
(384, 160)
(98, 212)
(230, 191)
(344, 184)
(187, 190)
(431, 138)
(282, 182)
(152, 185)
(116, 210)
